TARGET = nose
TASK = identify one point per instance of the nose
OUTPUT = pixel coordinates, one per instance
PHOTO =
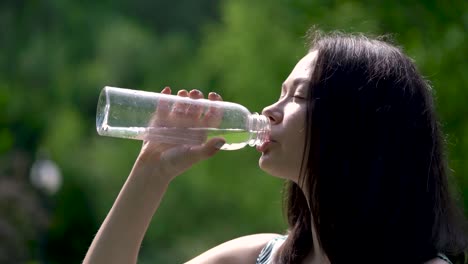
(273, 114)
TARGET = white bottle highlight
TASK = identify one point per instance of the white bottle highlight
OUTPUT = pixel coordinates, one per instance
(172, 119)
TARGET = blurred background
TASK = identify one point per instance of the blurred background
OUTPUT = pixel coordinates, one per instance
(58, 178)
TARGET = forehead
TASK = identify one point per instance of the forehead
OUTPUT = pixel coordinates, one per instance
(303, 68)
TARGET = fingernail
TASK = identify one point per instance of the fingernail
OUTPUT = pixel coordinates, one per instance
(219, 144)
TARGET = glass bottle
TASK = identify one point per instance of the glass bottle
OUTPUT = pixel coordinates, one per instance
(172, 119)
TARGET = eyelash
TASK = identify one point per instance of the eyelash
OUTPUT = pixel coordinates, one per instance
(297, 97)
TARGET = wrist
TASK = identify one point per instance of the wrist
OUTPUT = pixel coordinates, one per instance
(151, 172)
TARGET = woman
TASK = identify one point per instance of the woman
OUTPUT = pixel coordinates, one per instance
(355, 134)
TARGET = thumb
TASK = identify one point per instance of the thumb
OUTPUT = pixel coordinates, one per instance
(208, 149)
(178, 159)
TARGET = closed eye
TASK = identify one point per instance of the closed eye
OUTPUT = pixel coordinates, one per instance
(300, 97)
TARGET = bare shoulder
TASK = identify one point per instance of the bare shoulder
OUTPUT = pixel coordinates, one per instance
(436, 261)
(240, 250)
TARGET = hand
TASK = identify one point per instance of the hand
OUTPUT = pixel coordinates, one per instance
(169, 160)
(119, 238)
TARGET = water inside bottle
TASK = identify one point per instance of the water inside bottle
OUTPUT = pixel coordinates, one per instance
(235, 138)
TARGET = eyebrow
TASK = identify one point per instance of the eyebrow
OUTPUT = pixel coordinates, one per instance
(296, 82)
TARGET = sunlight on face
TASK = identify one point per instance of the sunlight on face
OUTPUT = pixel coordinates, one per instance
(282, 156)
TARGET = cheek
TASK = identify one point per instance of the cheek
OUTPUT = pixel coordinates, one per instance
(294, 121)
(296, 135)
(295, 152)
(285, 160)
(292, 109)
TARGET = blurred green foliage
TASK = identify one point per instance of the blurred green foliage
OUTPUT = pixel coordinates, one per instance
(56, 55)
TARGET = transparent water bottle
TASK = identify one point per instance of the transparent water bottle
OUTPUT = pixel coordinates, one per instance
(172, 119)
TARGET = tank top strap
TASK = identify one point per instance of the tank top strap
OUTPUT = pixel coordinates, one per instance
(268, 251)
(443, 257)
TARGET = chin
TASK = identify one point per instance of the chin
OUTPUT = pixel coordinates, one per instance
(264, 162)
(271, 168)
(278, 169)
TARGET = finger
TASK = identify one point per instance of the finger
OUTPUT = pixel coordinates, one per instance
(166, 90)
(176, 160)
(162, 108)
(179, 108)
(214, 115)
(164, 104)
(195, 110)
(214, 96)
(182, 92)
(208, 149)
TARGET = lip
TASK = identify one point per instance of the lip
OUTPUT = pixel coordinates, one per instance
(263, 147)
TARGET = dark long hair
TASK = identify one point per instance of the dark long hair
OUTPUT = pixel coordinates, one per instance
(376, 172)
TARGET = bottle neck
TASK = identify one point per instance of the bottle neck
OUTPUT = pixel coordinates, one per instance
(259, 128)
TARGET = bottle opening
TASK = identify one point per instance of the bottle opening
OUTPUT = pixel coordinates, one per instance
(102, 112)
(259, 129)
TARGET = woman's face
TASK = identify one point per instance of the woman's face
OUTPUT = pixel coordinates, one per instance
(282, 156)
